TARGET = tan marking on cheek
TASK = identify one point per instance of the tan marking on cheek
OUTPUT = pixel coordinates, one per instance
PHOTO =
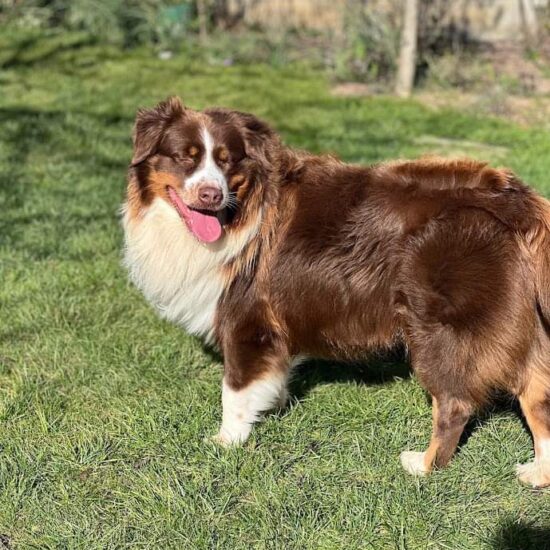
(160, 180)
(133, 198)
(235, 181)
(156, 187)
(242, 186)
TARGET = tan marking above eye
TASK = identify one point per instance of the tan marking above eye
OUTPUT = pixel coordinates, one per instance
(223, 155)
(193, 151)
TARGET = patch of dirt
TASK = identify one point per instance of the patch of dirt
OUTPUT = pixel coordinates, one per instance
(523, 110)
(352, 89)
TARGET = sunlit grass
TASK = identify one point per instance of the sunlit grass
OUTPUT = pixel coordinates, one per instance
(104, 408)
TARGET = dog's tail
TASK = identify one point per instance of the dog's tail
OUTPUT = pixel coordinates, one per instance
(527, 213)
(538, 240)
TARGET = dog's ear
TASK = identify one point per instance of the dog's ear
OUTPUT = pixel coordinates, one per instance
(259, 138)
(150, 123)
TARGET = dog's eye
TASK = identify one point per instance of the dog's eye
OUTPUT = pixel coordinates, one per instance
(187, 156)
(223, 156)
(183, 159)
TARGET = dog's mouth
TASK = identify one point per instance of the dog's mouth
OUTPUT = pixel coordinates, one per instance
(205, 225)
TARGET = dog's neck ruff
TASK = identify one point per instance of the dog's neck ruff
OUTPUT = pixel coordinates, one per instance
(181, 277)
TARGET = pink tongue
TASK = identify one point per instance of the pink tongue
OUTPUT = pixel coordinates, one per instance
(206, 228)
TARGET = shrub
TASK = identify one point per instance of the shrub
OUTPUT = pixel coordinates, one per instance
(120, 22)
(368, 48)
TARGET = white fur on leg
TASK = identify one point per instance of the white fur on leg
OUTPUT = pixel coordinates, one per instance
(537, 472)
(283, 398)
(244, 407)
(414, 463)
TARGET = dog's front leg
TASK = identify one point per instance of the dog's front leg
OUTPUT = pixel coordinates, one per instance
(255, 379)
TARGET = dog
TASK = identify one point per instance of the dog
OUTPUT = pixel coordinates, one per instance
(275, 255)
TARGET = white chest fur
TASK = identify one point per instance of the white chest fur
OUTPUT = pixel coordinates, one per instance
(181, 277)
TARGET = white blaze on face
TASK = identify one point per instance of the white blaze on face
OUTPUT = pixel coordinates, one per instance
(208, 171)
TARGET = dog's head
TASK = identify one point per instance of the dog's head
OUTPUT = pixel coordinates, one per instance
(210, 165)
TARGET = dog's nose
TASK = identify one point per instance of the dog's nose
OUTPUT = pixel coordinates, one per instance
(210, 196)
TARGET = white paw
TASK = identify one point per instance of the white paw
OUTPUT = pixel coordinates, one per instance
(224, 439)
(232, 435)
(536, 473)
(219, 439)
(413, 462)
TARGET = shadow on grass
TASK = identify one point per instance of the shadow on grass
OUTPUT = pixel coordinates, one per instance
(40, 47)
(28, 131)
(513, 535)
(501, 404)
(379, 369)
(384, 369)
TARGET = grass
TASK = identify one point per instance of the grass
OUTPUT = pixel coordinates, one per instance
(104, 407)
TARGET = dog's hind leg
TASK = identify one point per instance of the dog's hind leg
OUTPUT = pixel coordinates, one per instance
(469, 320)
(450, 415)
(535, 403)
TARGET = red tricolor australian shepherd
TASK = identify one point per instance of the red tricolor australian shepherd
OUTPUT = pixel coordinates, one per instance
(273, 255)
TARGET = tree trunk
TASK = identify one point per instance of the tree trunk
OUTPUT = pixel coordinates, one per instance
(407, 54)
(202, 17)
(529, 21)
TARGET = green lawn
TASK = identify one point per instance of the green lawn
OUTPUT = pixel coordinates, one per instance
(104, 407)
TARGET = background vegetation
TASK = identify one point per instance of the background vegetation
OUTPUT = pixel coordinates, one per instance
(104, 407)
(361, 44)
